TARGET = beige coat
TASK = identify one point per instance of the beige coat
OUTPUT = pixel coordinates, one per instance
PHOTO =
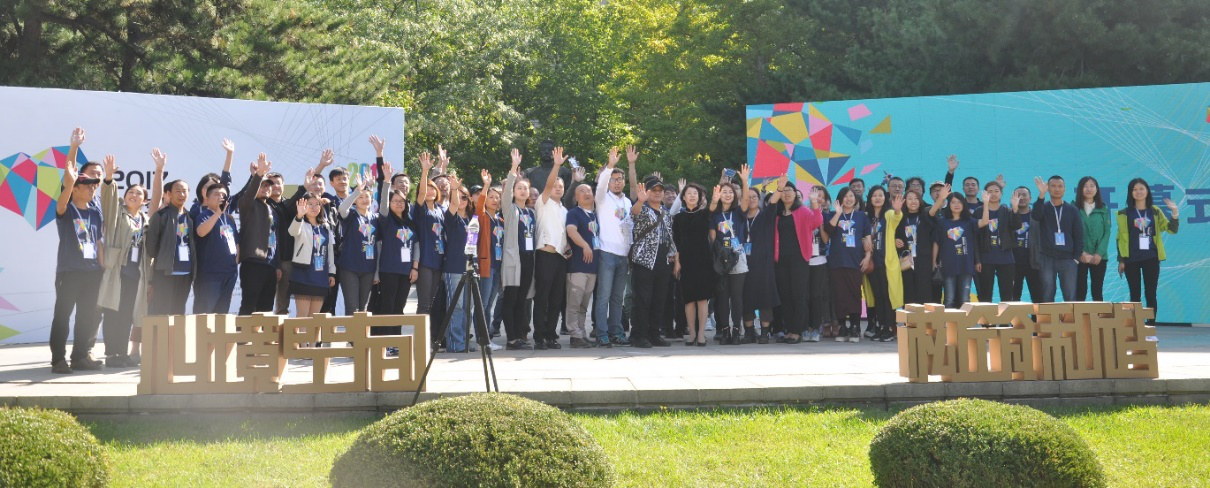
(120, 229)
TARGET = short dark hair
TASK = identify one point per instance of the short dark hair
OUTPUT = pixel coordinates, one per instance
(337, 171)
(398, 176)
(273, 175)
(1055, 177)
(168, 186)
(212, 189)
(201, 184)
(856, 180)
(993, 183)
(964, 180)
(87, 165)
(896, 178)
(616, 171)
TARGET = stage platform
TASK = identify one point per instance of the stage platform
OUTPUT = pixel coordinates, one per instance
(628, 378)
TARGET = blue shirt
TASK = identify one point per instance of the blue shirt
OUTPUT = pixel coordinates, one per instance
(955, 246)
(1141, 223)
(847, 250)
(396, 236)
(80, 233)
(731, 227)
(357, 252)
(430, 230)
(217, 249)
(586, 225)
(455, 243)
(996, 255)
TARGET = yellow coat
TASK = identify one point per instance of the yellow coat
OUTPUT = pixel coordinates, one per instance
(894, 278)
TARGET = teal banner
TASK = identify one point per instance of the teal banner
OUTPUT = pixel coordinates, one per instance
(1159, 133)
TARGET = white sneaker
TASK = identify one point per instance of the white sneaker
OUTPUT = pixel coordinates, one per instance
(493, 346)
(710, 323)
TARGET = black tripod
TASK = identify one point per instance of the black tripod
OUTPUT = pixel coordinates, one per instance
(472, 305)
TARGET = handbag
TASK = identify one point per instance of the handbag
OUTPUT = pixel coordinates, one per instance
(938, 277)
(906, 261)
(725, 258)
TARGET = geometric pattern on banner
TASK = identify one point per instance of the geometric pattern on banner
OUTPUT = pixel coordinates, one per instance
(802, 140)
(30, 185)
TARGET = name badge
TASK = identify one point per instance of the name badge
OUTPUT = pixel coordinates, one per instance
(227, 236)
(89, 250)
(850, 240)
(596, 242)
(134, 254)
(183, 251)
(747, 248)
(499, 252)
(405, 254)
(440, 246)
(319, 262)
(1060, 239)
(1144, 243)
(815, 248)
(913, 246)
(369, 251)
(529, 242)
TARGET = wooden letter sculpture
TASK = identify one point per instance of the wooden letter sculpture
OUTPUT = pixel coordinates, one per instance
(245, 354)
(1004, 342)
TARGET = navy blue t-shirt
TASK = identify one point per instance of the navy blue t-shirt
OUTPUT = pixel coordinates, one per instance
(1141, 223)
(182, 264)
(847, 249)
(455, 243)
(525, 229)
(996, 255)
(315, 273)
(975, 209)
(217, 249)
(731, 228)
(396, 237)
(955, 246)
(357, 252)
(497, 232)
(586, 225)
(430, 230)
(817, 239)
(80, 233)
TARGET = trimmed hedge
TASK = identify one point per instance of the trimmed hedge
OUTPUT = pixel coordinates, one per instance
(48, 448)
(978, 443)
(485, 440)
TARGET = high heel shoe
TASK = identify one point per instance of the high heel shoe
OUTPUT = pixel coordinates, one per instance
(689, 341)
(701, 344)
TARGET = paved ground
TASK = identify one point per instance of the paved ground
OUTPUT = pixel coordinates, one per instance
(629, 377)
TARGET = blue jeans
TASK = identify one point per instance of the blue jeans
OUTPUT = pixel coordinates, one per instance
(212, 293)
(455, 334)
(1065, 268)
(607, 301)
(957, 290)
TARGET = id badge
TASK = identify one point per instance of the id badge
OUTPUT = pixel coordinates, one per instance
(134, 254)
(747, 248)
(1060, 239)
(370, 251)
(596, 242)
(440, 246)
(814, 248)
(319, 262)
(230, 242)
(499, 252)
(850, 240)
(913, 246)
(529, 242)
(1144, 243)
(183, 251)
(405, 254)
(89, 250)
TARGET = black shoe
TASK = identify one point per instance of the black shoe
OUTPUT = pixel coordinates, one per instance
(749, 336)
(517, 346)
(660, 342)
(85, 364)
(722, 336)
(623, 342)
(553, 344)
(764, 337)
(119, 361)
(60, 367)
(888, 334)
(539, 345)
(871, 330)
(578, 343)
(563, 331)
(604, 343)
(641, 343)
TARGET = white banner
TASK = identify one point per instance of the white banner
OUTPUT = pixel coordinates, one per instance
(36, 129)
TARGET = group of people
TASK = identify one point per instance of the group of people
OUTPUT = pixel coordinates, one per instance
(650, 265)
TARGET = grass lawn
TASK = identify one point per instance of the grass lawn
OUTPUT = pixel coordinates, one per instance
(1138, 446)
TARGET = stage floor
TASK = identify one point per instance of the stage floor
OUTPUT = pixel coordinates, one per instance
(624, 377)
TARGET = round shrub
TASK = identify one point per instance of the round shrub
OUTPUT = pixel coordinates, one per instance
(978, 443)
(485, 439)
(48, 448)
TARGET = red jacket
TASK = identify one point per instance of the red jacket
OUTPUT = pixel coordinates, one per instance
(805, 223)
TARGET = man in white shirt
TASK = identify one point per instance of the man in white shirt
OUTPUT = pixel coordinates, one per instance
(613, 216)
(550, 265)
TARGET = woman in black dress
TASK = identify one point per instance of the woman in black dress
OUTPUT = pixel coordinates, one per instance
(694, 265)
(760, 287)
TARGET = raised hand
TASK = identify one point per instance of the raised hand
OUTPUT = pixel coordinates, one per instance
(744, 171)
(455, 183)
(228, 146)
(308, 177)
(302, 207)
(558, 156)
(952, 161)
(160, 158)
(985, 196)
(387, 170)
(1014, 200)
(816, 199)
(718, 193)
(579, 174)
(77, 136)
(378, 143)
(443, 158)
(1171, 206)
(487, 178)
(680, 185)
(1041, 184)
(782, 180)
(325, 159)
(262, 164)
(614, 157)
(111, 167)
(515, 154)
(945, 192)
(1003, 183)
(632, 154)
(426, 162)
(897, 203)
(70, 174)
(640, 194)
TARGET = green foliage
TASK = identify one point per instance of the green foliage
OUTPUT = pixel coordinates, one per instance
(476, 440)
(48, 448)
(975, 443)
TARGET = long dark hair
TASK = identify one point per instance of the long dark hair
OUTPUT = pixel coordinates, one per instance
(1096, 199)
(201, 185)
(735, 190)
(869, 202)
(797, 199)
(962, 215)
(318, 218)
(1130, 203)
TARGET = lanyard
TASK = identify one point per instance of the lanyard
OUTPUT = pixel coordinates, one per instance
(1058, 217)
(618, 201)
(848, 218)
(83, 225)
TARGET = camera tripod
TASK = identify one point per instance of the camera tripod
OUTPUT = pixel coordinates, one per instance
(472, 305)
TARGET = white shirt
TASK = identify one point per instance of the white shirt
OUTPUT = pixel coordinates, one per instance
(552, 224)
(615, 232)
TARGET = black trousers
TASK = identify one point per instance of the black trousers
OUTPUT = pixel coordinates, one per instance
(76, 291)
(650, 293)
(258, 283)
(884, 313)
(820, 309)
(793, 288)
(729, 301)
(550, 293)
(1098, 280)
(993, 274)
(1150, 272)
(169, 294)
(1026, 275)
(394, 289)
(118, 322)
(516, 320)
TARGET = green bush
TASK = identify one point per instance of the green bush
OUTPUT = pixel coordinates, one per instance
(978, 443)
(48, 448)
(484, 440)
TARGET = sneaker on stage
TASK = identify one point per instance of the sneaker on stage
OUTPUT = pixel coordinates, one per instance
(855, 333)
(842, 335)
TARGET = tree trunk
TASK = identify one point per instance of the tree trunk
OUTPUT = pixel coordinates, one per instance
(31, 36)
